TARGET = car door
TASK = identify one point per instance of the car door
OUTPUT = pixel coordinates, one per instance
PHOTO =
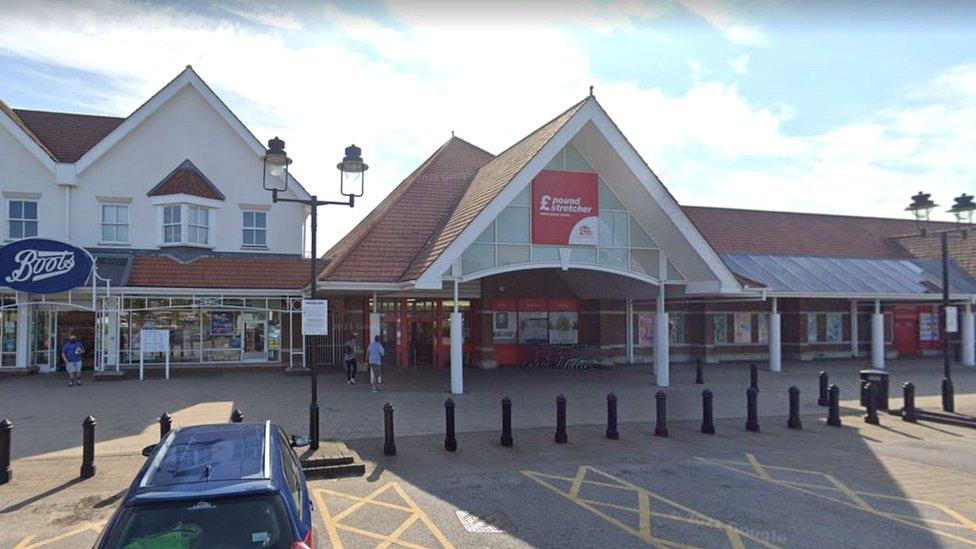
(295, 479)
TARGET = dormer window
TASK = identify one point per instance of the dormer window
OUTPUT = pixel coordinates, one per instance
(186, 225)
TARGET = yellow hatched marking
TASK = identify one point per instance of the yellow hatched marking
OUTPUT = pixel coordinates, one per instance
(643, 508)
(26, 542)
(334, 524)
(853, 498)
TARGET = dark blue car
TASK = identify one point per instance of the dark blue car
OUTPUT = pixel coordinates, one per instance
(216, 486)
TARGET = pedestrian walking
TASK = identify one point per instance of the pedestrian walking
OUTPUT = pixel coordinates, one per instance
(72, 353)
(374, 354)
(349, 354)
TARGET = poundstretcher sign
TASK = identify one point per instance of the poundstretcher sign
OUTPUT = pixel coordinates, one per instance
(565, 208)
(43, 266)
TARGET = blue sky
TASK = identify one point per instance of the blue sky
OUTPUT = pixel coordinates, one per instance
(807, 106)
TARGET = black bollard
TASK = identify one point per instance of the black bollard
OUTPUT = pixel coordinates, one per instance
(871, 415)
(908, 408)
(6, 428)
(754, 376)
(165, 424)
(833, 406)
(561, 437)
(237, 416)
(708, 419)
(699, 372)
(752, 409)
(88, 447)
(389, 448)
(450, 439)
(823, 400)
(794, 421)
(948, 396)
(661, 425)
(507, 423)
(612, 433)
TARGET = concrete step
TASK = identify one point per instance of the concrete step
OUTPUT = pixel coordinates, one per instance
(335, 471)
(333, 459)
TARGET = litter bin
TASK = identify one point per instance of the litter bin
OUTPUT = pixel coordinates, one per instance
(878, 378)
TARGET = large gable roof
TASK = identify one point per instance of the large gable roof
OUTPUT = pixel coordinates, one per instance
(487, 183)
(384, 244)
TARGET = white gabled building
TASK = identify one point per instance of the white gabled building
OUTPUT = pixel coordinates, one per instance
(169, 202)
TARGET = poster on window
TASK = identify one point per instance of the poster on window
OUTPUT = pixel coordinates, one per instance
(928, 329)
(563, 327)
(835, 328)
(645, 329)
(743, 327)
(565, 208)
(221, 323)
(503, 327)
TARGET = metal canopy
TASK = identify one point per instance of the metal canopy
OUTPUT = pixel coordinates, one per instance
(848, 276)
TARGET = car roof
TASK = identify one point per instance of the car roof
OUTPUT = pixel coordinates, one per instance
(221, 459)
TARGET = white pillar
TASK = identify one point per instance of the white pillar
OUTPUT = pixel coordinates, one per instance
(968, 343)
(661, 358)
(457, 342)
(111, 342)
(854, 329)
(629, 326)
(22, 357)
(374, 320)
(877, 337)
(775, 348)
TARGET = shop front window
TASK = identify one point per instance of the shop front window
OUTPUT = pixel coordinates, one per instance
(8, 331)
(533, 326)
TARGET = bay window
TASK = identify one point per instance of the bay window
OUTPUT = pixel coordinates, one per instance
(186, 224)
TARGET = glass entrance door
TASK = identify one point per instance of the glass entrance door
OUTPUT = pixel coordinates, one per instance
(44, 348)
(421, 343)
(255, 338)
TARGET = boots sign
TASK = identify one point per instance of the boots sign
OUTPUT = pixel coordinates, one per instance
(43, 266)
(565, 208)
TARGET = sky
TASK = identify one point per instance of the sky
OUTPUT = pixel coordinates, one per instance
(826, 106)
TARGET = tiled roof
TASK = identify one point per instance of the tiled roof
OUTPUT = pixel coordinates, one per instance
(66, 137)
(487, 183)
(186, 179)
(219, 272)
(386, 241)
(732, 231)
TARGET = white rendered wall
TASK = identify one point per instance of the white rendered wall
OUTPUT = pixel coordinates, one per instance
(22, 172)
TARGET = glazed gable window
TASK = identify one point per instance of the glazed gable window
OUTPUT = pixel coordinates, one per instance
(255, 227)
(21, 219)
(198, 225)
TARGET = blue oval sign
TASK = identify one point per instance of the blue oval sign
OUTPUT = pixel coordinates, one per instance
(43, 266)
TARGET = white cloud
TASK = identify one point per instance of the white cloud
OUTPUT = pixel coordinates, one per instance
(267, 15)
(723, 15)
(740, 65)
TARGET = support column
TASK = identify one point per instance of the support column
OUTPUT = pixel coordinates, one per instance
(968, 337)
(775, 347)
(112, 340)
(877, 337)
(457, 342)
(629, 324)
(854, 330)
(22, 356)
(374, 320)
(661, 351)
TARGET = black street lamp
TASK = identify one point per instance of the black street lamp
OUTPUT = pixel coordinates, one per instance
(963, 208)
(351, 175)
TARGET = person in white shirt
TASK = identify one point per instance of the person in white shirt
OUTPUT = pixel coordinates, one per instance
(374, 354)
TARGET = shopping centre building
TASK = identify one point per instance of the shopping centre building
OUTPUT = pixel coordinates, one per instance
(566, 244)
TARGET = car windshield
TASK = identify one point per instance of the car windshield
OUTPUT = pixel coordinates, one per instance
(254, 521)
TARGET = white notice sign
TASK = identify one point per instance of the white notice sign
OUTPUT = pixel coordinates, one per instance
(315, 317)
(952, 319)
(154, 341)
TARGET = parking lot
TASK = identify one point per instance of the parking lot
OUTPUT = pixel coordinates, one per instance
(859, 485)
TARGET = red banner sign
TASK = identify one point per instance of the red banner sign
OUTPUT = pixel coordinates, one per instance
(565, 208)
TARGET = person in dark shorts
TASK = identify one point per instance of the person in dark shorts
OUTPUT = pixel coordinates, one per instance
(349, 355)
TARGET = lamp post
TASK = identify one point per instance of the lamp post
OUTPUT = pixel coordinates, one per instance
(922, 206)
(351, 176)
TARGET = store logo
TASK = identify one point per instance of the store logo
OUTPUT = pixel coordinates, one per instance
(42, 266)
(562, 205)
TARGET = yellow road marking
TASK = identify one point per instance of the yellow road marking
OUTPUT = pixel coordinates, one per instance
(334, 524)
(26, 542)
(854, 499)
(645, 498)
